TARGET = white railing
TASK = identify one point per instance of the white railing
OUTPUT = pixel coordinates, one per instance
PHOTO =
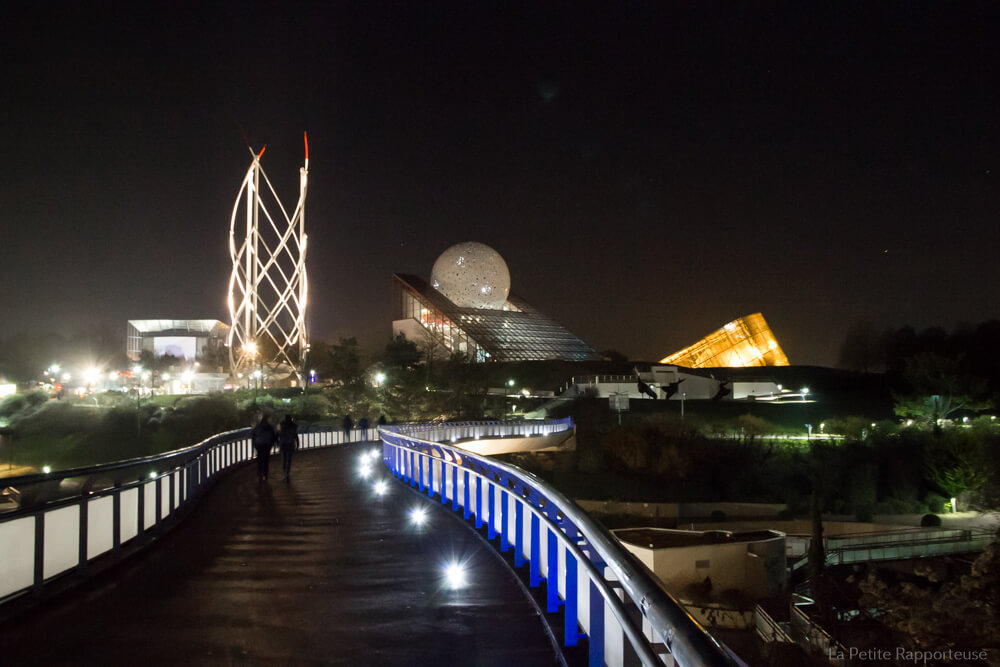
(68, 519)
(767, 628)
(608, 597)
(901, 545)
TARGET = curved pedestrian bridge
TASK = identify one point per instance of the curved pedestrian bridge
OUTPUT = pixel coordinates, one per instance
(331, 567)
(315, 571)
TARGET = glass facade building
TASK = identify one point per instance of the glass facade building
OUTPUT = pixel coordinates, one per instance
(746, 341)
(184, 339)
(517, 332)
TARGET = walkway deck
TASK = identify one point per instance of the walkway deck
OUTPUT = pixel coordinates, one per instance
(317, 571)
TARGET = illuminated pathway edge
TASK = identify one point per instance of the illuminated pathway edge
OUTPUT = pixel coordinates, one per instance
(317, 571)
(311, 567)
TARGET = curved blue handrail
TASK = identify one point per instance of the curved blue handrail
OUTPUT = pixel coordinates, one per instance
(687, 640)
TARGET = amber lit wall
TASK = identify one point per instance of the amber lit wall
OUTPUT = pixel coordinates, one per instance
(746, 341)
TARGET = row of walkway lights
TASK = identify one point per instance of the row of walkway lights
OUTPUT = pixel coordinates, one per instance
(454, 572)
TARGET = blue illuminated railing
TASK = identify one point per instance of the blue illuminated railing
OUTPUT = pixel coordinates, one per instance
(607, 597)
(67, 519)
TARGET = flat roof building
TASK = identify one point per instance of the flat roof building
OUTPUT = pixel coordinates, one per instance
(188, 340)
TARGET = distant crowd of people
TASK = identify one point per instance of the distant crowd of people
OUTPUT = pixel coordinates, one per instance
(286, 435)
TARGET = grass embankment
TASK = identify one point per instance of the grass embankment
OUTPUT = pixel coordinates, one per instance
(70, 434)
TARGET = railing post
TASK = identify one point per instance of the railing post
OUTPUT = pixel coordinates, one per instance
(39, 580)
(504, 521)
(466, 513)
(172, 490)
(430, 476)
(444, 483)
(595, 638)
(492, 530)
(116, 520)
(479, 502)
(158, 503)
(518, 532)
(552, 576)
(536, 552)
(140, 510)
(81, 563)
(571, 633)
(454, 488)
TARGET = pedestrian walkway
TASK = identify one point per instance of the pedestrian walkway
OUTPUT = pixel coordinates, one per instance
(316, 571)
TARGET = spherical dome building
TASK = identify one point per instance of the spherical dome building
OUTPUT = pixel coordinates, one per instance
(472, 275)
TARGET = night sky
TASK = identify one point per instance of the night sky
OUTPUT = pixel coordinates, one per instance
(649, 171)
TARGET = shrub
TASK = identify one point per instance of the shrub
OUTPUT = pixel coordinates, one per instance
(863, 513)
(22, 403)
(884, 507)
(786, 514)
(718, 516)
(930, 521)
(12, 405)
(935, 502)
(861, 486)
(898, 506)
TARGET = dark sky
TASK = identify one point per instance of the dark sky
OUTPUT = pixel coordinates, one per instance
(649, 171)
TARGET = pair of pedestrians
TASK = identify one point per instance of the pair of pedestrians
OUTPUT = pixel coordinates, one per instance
(348, 426)
(264, 438)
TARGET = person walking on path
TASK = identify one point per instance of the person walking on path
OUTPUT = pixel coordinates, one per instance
(348, 424)
(263, 440)
(363, 425)
(288, 442)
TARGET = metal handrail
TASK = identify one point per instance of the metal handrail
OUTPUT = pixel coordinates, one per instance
(688, 641)
(190, 452)
(31, 565)
(86, 471)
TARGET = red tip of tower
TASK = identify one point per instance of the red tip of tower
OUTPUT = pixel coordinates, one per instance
(305, 139)
(262, 151)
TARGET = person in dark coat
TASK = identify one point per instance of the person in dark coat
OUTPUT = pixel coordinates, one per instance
(363, 425)
(381, 420)
(348, 424)
(263, 440)
(288, 442)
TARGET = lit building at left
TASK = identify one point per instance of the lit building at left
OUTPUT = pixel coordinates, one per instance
(199, 346)
(188, 340)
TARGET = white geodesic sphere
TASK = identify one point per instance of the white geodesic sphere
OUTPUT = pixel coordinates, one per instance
(472, 275)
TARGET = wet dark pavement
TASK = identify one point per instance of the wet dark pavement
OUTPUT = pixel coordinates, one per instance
(316, 571)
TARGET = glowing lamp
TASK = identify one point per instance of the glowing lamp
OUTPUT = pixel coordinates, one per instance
(454, 575)
(418, 516)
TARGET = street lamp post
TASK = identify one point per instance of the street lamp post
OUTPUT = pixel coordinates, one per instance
(256, 381)
(506, 386)
(137, 373)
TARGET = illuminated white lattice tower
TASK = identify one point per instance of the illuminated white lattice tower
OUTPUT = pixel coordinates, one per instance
(268, 288)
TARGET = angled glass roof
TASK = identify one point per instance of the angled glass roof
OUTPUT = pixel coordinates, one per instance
(746, 341)
(516, 333)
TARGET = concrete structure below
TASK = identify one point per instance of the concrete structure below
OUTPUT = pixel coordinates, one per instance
(752, 563)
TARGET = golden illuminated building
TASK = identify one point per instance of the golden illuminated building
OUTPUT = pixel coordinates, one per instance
(747, 341)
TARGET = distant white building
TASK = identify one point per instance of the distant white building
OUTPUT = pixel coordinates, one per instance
(188, 340)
